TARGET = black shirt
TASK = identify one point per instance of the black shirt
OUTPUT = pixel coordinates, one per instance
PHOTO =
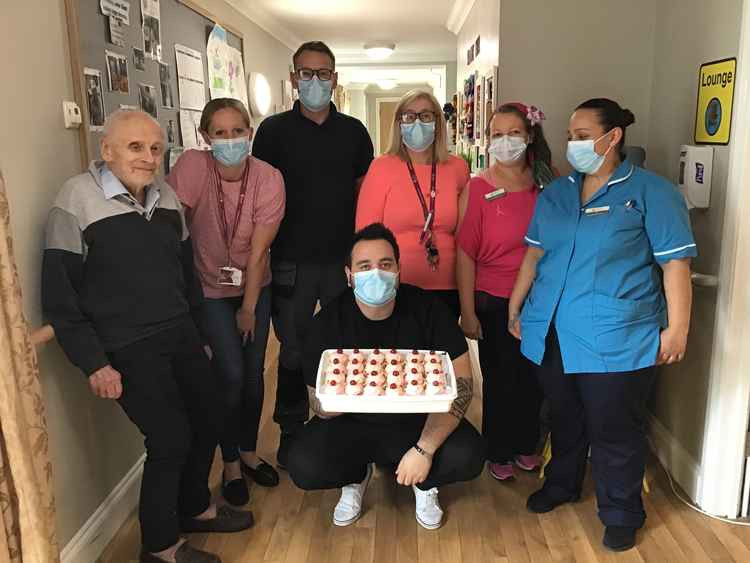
(419, 321)
(320, 165)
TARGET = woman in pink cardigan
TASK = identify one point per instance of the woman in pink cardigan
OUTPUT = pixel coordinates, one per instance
(413, 189)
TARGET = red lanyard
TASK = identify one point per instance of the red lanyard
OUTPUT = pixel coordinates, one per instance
(225, 233)
(429, 212)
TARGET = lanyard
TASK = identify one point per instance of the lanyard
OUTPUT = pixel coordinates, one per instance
(428, 211)
(226, 235)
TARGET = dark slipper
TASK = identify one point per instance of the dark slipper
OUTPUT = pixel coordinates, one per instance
(264, 474)
(184, 554)
(227, 520)
(235, 492)
(619, 538)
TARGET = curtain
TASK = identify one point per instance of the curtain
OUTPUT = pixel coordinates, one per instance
(27, 506)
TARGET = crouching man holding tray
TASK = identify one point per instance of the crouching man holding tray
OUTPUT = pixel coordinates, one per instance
(337, 450)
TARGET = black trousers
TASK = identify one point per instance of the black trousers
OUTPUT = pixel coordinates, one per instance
(297, 288)
(606, 411)
(170, 395)
(511, 396)
(333, 453)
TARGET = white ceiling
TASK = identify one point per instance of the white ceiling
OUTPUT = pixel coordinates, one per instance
(419, 28)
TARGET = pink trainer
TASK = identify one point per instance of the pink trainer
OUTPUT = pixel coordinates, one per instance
(528, 462)
(502, 471)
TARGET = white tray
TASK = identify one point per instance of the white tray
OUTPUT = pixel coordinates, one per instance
(385, 403)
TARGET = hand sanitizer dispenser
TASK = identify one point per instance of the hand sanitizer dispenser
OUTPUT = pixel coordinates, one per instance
(696, 169)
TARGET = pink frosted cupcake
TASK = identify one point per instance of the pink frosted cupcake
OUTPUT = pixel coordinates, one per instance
(393, 355)
(338, 359)
(376, 376)
(354, 387)
(414, 357)
(394, 390)
(396, 377)
(392, 366)
(373, 389)
(434, 387)
(414, 386)
(358, 356)
(377, 356)
(334, 388)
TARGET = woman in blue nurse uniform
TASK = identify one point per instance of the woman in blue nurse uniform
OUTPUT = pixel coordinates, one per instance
(606, 285)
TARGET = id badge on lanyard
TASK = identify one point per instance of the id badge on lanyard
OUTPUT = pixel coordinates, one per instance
(426, 236)
(229, 275)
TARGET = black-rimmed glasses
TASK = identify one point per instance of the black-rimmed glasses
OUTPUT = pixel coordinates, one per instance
(308, 73)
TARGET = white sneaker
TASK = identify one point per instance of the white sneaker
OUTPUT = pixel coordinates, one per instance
(429, 513)
(349, 507)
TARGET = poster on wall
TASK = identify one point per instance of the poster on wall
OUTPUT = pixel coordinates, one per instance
(165, 83)
(147, 99)
(226, 72)
(117, 72)
(190, 85)
(713, 117)
(190, 129)
(94, 98)
(119, 9)
(117, 31)
(139, 59)
(150, 14)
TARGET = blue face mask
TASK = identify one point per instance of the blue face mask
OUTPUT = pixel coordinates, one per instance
(375, 287)
(231, 152)
(418, 136)
(315, 94)
(584, 158)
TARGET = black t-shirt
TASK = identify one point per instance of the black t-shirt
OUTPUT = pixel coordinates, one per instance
(320, 165)
(419, 321)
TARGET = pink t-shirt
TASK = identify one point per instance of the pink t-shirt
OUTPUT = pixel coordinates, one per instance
(492, 232)
(388, 196)
(192, 178)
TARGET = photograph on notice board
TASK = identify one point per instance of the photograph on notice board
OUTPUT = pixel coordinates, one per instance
(151, 29)
(94, 98)
(139, 59)
(147, 98)
(119, 9)
(117, 72)
(165, 82)
(117, 31)
(171, 130)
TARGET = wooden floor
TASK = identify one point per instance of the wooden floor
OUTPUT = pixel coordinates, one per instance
(485, 522)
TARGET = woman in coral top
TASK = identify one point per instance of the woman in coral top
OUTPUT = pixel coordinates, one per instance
(413, 189)
(496, 208)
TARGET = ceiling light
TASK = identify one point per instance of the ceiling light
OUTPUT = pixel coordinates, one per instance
(379, 51)
(386, 83)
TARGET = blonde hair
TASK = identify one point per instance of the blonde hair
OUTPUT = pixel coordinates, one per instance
(441, 130)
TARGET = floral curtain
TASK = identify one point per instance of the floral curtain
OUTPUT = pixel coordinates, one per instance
(27, 506)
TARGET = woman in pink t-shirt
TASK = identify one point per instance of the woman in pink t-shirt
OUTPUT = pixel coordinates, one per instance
(234, 204)
(496, 209)
(413, 189)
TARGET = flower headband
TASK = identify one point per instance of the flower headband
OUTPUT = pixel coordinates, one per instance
(532, 113)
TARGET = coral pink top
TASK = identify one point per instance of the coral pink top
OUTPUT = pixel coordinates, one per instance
(388, 196)
(193, 181)
(492, 232)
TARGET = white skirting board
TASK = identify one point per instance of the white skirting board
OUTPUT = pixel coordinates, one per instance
(94, 536)
(683, 467)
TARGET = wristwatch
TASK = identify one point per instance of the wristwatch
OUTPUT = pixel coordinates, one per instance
(422, 451)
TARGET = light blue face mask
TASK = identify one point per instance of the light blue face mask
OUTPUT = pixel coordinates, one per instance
(315, 94)
(231, 152)
(584, 158)
(375, 287)
(418, 136)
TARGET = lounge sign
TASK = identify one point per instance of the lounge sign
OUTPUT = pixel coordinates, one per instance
(713, 118)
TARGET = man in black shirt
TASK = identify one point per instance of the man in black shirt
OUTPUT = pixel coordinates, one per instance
(323, 156)
(118, 287)
(336, 450)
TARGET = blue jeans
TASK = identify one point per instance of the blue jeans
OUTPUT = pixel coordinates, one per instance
(239, 369)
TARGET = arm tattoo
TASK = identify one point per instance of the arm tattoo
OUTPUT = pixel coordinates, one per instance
(465, 391)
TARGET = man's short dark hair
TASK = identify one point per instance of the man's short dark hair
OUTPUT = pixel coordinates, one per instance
(374, 231)
(317, 46)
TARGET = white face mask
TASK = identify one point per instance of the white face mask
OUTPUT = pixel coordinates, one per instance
(507, 149)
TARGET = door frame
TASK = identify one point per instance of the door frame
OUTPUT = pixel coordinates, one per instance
(377, 119)
(728, 403)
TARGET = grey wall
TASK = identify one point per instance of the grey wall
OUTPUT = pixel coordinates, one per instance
(688, 34)
(92, 444)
